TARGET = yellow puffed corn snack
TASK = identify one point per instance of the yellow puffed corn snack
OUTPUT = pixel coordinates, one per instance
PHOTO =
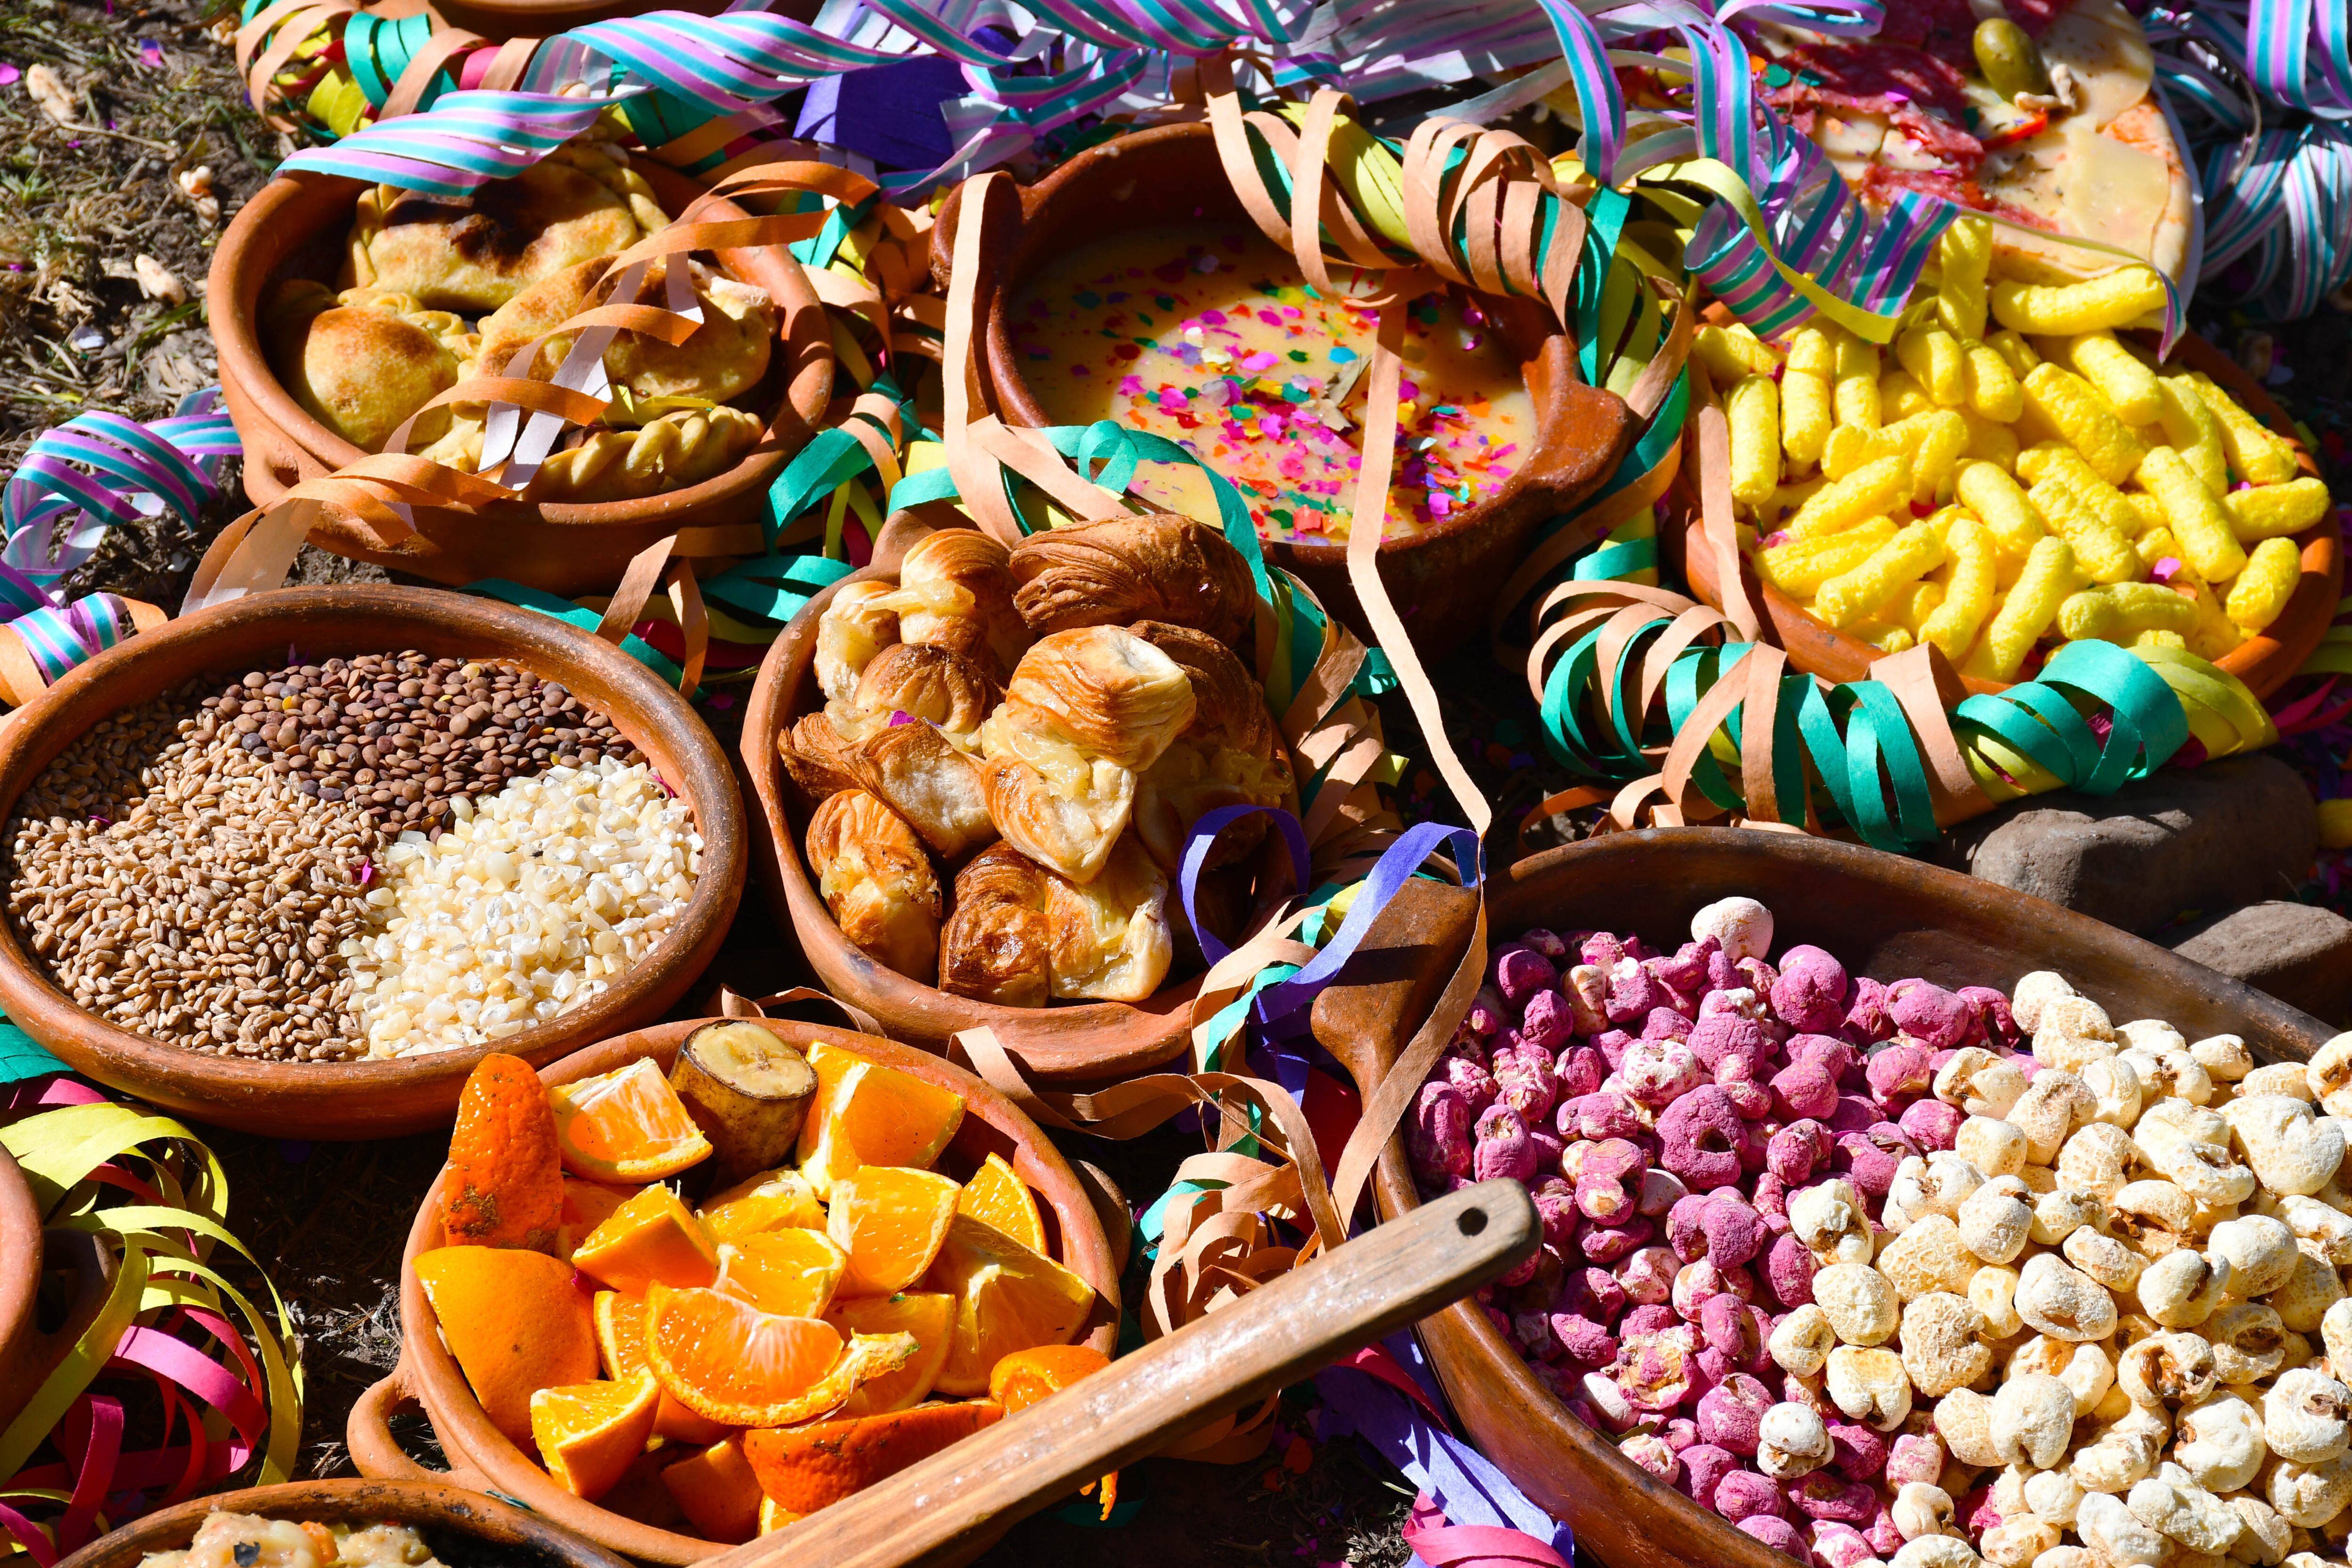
(2196, 517)
(1990, 442)
(2063, 467)
(2273, 512)
(2264, 588)
(1805, 415)
(1872, 490)
(1852, 595)
(1853, 388)
(1935, 439)
(2032, 604)
(1968, 597)
(2122, 381)
(1994, 496)
(2156, 544)
(2066, 403)
(1800, 569)
(1992, 388)
(1933, 357)
(1912, 608)
(1731, 352)
(2255, 454)
(1813, 350)
(1965, 255)
(1900, 395)
(1753, 410)
(2115, 300)
(2015, 351)
(1788, 497)
(2215, 635)
(2190, 429)
(2102, 550)
(2121, 611)
(1849, 447)
(2149, 510)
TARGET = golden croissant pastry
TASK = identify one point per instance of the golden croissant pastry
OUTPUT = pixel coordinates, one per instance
(934, 786)
(935, 684)
(858, 623)
(1020, 934)
(878, 882)
(361, 366)
(815, 758)
(476, 252)
(724, 357)
(1100, 688)
(1160, 567)
(955, 591)
(1228, 756)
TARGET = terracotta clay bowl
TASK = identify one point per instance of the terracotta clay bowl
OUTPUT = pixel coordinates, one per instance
(20, 1244)
(1442, 579)
(2264, 662)
(1885, 917)
(499, 1531)
(294, 228)
(428, 1375)
(1088, 1042)
(371, 1099)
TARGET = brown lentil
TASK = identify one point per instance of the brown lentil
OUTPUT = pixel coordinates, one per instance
(191, 868)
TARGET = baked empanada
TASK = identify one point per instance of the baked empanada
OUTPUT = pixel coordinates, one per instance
(955, 591)
(1021, 935)
(878, 882)
(1160, 567)
(361, 366)
(475, 253)
(680, 448)
(724, 357)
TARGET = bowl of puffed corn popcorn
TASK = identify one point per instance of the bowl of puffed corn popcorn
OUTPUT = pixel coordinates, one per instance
(2018, 468)
(1890, 1218)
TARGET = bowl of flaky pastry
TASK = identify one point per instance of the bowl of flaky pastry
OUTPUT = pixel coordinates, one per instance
(980, 769)
(348, 315)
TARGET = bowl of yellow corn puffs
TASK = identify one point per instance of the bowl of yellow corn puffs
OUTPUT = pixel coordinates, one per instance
(2016, 470)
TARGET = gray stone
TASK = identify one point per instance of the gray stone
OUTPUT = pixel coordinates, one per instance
(2300, 953)
(2199, 840)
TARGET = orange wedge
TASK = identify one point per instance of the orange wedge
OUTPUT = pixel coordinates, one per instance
(504, 1186)
(1025, 1377)
(590, 1433)
(788, 1272)
(773, 1200)
(626, 1126)
(1008, 1299)
(517, 1322)
(774, 1515)
(998, 1198)
(726, 1358)
(870, 1115)
(890, 1220)
(653, 1237)
(717, 1491)
(926, 1315)
(815, 1466)
(586, 1205)
(620, 1344)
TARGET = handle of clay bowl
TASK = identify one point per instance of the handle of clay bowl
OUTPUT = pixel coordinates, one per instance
(377, 1453)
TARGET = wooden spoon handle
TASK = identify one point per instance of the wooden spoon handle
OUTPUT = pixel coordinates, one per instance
(933, 1512)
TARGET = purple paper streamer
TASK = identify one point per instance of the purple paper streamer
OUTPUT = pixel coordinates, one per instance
(1197, 843)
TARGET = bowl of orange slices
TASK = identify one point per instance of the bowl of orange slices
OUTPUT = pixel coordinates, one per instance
(673, 1313)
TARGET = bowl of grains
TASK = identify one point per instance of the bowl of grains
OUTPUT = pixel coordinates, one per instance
(294, 863)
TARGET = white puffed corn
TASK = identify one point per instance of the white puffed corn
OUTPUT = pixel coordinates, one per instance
(2184, 1512)
(2183, 1288)
(2172, 1366)
(1801, 1340)
(2324, 1231)
(2330, 1075)
(2086, 1370)
(2061, 1302)
(1943, 1343)
(1829, 1218)
(2301, 1303)
(2190, 1146)
(1992, 1290)
(2033, 1419)
(2292, 1078)
(2335, 1332)
(2111, 1527)
(2304, 1416)
(2108, 1259)
(1742, 925)
(1996, 1220)
(2224, 1057)
(2292, 1153)
(2169, 1072)
(2114, 1083)
(2097, 1159)
(2248, 1339)
(2019, 1539)
(1922, 1509)
(1963, 1419)
(2053, 1106)
(533, 902)
(1927, 1256)
(1791, 1440)
(2220, 1442)
(1935, 1552)
(2060, 1212)
(1859, 1301)
(1992, 1146)
(1869, 1385)
(2031, 992)
(1980, 1082)
(2311, 1495)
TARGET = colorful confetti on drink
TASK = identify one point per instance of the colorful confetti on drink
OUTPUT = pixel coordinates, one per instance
(1210, 338)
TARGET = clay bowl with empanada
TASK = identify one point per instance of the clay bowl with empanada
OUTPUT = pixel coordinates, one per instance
(295, 230)
(1442, 577)
(2265, 661)
(1065, 1042)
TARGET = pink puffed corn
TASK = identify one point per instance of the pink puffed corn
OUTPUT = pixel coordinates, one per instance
(1680, 1432)
(1734, 1327)
(1838, 1545)
(1835, 1056)
(1930, 1123)
(1797, 1151)
(1730, 1413)
(1687, 969)
(1704, 1468)
(1700, 1137)
(1650, 1451)
(1694, 1283)
(1717, 1034)
(1579, 1069)
(1827, 1495)
(1659, 1072)
(1743, 1494)
(1867, 1020)
(1602, 1114)
(1647, 1279)
(1608, 1243)
(1488, 1013)
(1810, 993)
(1804, 1091)
(1899, 1075)
(1648, 1318)
(1524, 1079)
(1548, 1146)
(1549, 1023)
(1914, 1457)
(1884, 1538)
(1854, 1114)
(1930, 1015)
(1753, 1101)
(1654, 1370)
(1531, 1331)
(1555, 1207)
(1609, 1180)
(1550, 944)
(1776, 1533)
(1666, 1024)
(1441, 1142)
(1788, 1270)
(1869, 1161)
(1995, 1027)
(1473, 1079)
(1771, 1202)
(1502, 1147)
(1856, 1452)
(1601, 949)
(1520, 971)
(1734, 1232)
(1582, 1341)
(1594, 1292)
(1631, 994)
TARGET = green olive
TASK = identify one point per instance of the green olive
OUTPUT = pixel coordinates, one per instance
(2008, 59)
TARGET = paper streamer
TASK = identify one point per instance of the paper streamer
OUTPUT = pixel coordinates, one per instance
(170, 1326)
